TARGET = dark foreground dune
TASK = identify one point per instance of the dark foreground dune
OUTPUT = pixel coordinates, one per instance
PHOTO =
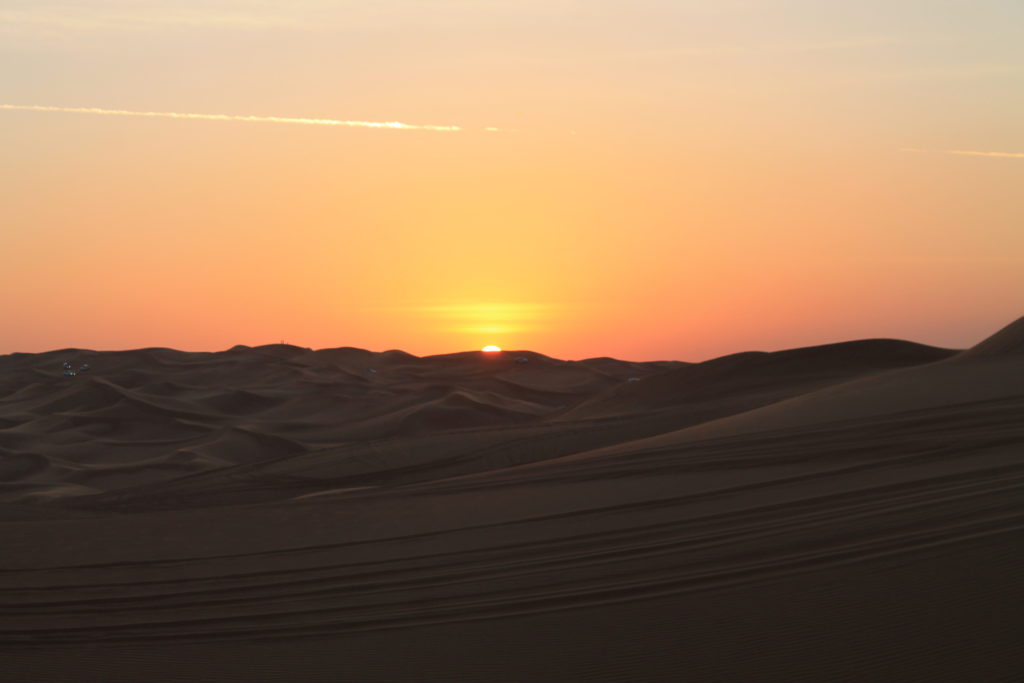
(851, 512)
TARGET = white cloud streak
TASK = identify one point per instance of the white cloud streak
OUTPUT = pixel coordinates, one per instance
(393, 125)
(39, 19)
(969, 153)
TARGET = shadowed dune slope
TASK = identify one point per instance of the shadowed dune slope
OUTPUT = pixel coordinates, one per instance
(995, 374)
(139, 411)
(754, 374)
(850, 512)
(1010, 339)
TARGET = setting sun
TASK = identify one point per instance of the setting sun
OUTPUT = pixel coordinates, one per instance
(754, 262)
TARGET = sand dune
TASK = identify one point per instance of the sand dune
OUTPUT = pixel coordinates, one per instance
(757, 377)
(849, 512)
(1009, 340)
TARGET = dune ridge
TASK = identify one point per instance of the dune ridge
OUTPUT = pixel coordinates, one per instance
(844, 512)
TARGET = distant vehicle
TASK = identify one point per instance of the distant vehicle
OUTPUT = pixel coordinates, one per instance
(67, 365)
(70, 373)
(371, 370)
(84, 367)
(522, 359)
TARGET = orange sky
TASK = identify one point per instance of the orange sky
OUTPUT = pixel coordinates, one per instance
(673, 179)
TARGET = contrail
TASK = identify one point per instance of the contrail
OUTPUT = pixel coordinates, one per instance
(397, 125)
(970, 153)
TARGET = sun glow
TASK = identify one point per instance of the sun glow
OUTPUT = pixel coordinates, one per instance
(491, 348)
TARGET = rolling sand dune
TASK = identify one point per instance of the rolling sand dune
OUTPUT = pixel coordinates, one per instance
(850, 512)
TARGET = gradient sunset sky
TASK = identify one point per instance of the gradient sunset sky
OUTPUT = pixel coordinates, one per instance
(668, 178)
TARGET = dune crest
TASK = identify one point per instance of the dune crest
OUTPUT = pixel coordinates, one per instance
(845, 512)
(1009, 340)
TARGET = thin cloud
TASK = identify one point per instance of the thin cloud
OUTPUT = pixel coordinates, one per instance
(62, 20)
(968, 153)
(972, 153)
(394, 125)
(477, 311)
(945, 72)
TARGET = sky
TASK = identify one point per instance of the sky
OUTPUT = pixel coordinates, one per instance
(644, 179)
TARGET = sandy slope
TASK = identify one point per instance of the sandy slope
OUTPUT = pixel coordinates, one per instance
(851, 512)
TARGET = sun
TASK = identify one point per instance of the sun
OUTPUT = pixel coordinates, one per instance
(491, 348)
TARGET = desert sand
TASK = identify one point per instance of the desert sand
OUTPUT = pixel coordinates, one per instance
(849, 512)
